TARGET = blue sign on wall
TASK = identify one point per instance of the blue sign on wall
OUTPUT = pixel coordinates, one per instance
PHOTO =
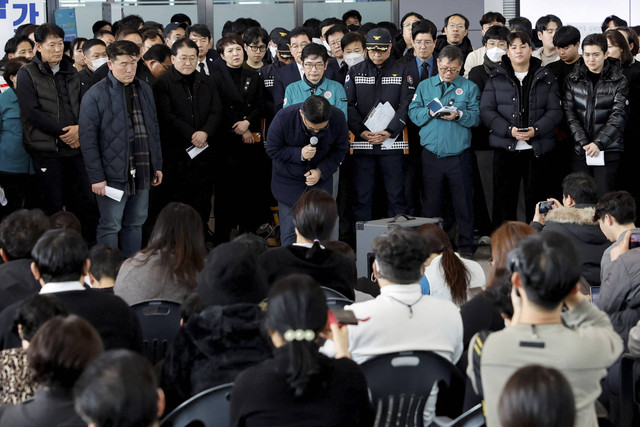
(66, 19)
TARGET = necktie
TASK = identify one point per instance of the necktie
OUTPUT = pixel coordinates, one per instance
(424, 74)
(202, 69)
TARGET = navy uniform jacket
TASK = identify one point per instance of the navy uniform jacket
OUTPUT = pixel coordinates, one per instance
(285, 76)
(286, 138)
(367, 84)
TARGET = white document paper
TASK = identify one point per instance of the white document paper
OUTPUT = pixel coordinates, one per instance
(389, 142)
(113, 193)
(597, 160)
(380, 117)
(193, 151)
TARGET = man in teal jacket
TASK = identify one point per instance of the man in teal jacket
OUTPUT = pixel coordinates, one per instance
(446, 142)
(314, 63)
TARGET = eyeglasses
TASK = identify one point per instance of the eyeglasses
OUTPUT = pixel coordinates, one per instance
(334, 43)
(316, 65)
(454, 26)
(497, 43)
(449, 69)
(298, 46)
(255, 48)
(187, 58)
(423, 42)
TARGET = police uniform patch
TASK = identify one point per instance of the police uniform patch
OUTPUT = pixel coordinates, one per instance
(459, 91)
(327, 95)
(390, 80)
(410, 80)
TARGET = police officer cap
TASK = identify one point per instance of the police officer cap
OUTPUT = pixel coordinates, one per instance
(378, 38)
(283, 48)
(278, 33)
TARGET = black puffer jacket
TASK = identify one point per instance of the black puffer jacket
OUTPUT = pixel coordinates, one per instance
(597, 114)
(503, 99)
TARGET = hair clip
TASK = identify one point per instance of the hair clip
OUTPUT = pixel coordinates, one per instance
(299, 335)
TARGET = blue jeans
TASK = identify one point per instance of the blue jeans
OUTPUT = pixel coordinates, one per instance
(127, 215)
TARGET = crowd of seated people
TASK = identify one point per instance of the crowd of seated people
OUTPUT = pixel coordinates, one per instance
(115, 154)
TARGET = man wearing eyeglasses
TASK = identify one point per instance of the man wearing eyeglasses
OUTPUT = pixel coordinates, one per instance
(314, 64)
(299, 38)
(378, 79)
(307, 143)
(446, 142)
(455, 31)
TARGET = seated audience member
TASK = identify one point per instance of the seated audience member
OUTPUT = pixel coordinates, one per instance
(314, 218)
(65, 220)
(537, 396)
(300, 385)
(19, 233)
(119, 388)
(447, 275)
(574, 219)
(399, 314)
(58, 353)
(105, 263)
(619, 297)
(546, 27)
(345, 250)
(167, 267)
(215, 345)
(60, 262)
(16, 383)
(580, 341)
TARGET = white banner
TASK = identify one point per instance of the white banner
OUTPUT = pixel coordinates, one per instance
(14, 13)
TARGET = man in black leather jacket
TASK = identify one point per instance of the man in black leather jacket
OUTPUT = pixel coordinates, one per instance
(596, 107)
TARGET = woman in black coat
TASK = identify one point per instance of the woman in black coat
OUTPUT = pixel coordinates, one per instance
(188, 108)
(242, 167)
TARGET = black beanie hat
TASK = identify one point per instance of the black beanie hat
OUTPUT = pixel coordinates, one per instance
(231, 275)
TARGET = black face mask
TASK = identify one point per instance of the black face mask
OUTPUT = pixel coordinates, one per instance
(353, 27)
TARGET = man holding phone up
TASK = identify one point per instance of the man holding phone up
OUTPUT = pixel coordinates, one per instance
(521, 106)
(446, 141)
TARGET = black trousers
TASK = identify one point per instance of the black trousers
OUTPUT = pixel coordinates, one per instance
(509, 169)
(457, 172)
(606, 177)
(63, 182)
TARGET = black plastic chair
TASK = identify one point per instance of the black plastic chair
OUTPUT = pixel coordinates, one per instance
(338, 302)
(400, 384)
(210, 408)
(331, 293)
(160, 322)
(472, 418)
(629, 391)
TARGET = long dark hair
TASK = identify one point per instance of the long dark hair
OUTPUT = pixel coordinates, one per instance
(314, 217)
(296, 302)
(179, 240)
(617, 39)
(456, 273)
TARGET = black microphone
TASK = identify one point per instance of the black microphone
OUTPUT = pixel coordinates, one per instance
(313, 141)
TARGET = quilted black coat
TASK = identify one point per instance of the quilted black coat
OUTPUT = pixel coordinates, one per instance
(597, 114)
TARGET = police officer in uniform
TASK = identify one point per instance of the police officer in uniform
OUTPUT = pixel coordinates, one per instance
(378, 79)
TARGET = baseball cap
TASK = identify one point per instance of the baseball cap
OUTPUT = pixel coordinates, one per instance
(378, 39)
(173, 26)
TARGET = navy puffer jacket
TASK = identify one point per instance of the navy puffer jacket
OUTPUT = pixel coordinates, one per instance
(597, 114)
(104, 131)
(502, 107)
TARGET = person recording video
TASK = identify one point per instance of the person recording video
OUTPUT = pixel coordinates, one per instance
(307, 143)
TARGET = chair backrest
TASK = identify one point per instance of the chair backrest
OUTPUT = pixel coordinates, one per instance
(338, 302)
(210, 408)
(629, 391)
(400, 384)
(160, 322)
(331, 293)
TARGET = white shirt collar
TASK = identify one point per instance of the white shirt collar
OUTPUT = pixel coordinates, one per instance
(54, 287)
(301, 71)
(306, 245)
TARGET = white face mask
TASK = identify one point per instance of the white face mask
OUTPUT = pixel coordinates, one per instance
(495, 54)
(273, 49)
(353, 58)
(326, 45)
(97, 63)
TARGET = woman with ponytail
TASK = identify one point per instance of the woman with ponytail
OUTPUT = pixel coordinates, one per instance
(446, 275)
(300, 386)
(314, 217)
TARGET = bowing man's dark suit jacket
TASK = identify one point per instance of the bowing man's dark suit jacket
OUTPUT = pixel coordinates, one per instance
(287, 136)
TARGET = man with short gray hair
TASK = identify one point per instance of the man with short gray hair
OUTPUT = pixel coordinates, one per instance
(446, 141)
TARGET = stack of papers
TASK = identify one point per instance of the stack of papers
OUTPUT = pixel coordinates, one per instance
(378, 120)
